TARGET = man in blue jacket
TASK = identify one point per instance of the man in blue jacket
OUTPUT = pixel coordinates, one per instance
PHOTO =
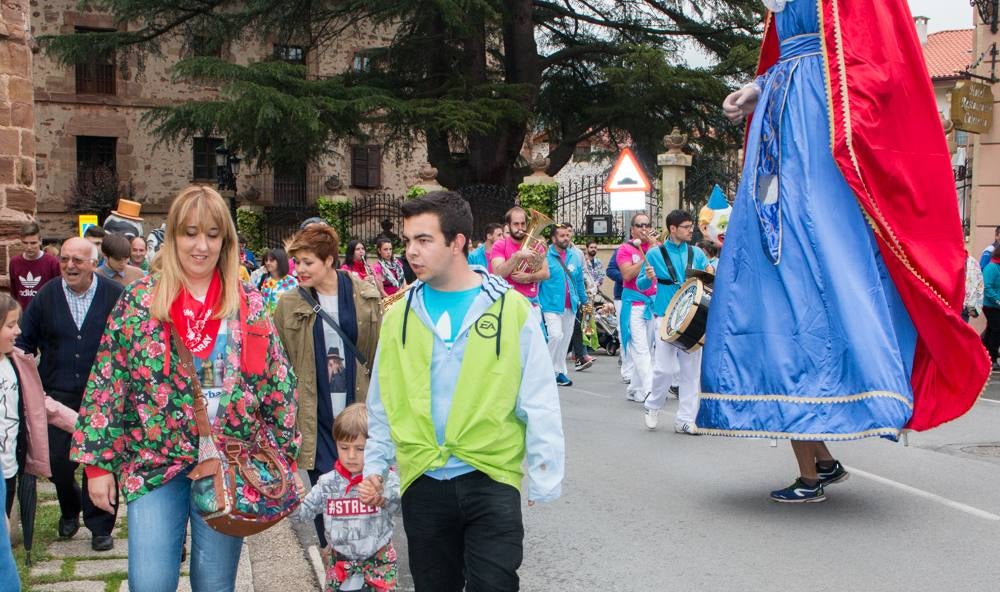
(559, 296)
(667, 266)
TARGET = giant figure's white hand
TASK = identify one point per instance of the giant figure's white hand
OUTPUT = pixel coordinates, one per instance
(741, 103)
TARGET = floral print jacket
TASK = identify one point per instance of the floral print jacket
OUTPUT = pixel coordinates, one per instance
(137, 416)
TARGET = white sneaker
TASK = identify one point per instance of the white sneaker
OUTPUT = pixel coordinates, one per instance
(686, 428)
(630, 396)
(651, 417)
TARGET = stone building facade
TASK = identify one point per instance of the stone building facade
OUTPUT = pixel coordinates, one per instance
(17, 140)
(87, 116)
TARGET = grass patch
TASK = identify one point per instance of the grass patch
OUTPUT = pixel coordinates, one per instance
(46, 521)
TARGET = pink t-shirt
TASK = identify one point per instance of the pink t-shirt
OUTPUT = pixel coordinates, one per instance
(628, 254)
(503, 249)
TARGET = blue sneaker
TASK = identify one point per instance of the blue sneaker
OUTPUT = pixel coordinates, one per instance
(563, 380)
(799, 493)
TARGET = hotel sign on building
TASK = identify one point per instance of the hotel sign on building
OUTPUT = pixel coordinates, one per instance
(972, 107)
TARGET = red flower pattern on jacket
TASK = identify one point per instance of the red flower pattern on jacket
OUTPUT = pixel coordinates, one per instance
(137, 417)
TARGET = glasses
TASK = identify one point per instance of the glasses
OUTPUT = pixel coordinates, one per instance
(561, 225)
(687, 226)
(642, 225)
(75, 260)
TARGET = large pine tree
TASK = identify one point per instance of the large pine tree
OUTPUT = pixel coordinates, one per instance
(468, 77)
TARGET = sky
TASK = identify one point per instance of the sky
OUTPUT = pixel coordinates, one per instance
(943, 14)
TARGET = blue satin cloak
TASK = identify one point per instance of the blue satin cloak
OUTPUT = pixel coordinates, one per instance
(807, 336)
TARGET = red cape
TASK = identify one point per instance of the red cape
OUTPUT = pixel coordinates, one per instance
(888, 142)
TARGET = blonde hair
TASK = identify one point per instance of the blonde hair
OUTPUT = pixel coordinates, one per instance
(206, 207)
(351, 423)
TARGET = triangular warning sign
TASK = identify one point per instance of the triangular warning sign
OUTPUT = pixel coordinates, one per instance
(627, 175)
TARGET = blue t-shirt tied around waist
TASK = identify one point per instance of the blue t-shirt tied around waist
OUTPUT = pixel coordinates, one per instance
(447, 310)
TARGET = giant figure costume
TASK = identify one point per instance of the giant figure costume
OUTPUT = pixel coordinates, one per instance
(846, 225)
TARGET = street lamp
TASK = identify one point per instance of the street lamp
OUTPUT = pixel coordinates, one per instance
(227, 166)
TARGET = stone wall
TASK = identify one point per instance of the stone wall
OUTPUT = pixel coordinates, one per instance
(17, 140)
(157, 170)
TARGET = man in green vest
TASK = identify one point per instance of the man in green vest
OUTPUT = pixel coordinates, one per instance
(462, 401)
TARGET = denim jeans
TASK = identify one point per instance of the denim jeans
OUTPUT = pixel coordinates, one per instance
(8, 571)
(465, 531)
(157, 523)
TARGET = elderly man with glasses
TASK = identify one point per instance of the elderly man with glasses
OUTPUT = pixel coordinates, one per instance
(64, 323)
(636, 319)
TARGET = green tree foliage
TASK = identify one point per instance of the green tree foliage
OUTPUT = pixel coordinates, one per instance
(469, 77)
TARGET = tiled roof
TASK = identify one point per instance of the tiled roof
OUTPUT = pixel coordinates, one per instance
(949, 53)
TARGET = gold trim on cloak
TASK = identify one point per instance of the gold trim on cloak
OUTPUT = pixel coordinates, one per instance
(834, 399)
(892, 432)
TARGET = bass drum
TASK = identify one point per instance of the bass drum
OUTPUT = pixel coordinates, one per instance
(687, 316)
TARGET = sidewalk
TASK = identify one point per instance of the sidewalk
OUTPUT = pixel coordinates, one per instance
(270, 560)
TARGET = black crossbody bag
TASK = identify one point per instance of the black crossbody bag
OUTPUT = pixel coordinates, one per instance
(360, 357)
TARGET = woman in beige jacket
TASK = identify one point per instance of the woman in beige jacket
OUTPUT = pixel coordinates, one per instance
(332, 363)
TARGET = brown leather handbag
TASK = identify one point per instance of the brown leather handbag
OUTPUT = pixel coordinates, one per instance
(239, 487)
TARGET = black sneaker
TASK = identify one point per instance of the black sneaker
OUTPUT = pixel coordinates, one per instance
(675, 391)
(799, 493)
(834, 475)
(68, 527)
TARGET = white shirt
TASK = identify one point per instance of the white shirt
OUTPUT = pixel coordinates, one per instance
(9, 423)
(334, 346)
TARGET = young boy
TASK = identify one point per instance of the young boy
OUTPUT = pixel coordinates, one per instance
(359, 535)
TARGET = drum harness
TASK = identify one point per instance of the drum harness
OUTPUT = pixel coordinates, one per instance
(670, 266)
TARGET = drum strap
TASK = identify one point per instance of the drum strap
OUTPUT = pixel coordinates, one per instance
(670, 266)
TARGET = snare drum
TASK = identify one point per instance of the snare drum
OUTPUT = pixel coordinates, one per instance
(687, 316)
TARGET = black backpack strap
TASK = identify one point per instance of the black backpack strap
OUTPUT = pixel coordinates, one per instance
(333, 325)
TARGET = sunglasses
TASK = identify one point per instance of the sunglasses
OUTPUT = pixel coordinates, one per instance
(642, 225)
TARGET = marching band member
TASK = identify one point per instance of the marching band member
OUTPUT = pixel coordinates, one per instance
(636, 319)
(667, 266)
(507, 255)
(836, 312)
(560, 295)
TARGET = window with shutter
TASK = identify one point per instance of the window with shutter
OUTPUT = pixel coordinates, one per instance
(366, 166)
(94, 154)
(203, 153)
(96, 74)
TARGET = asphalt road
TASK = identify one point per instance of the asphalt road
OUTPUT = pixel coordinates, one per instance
(657, 510)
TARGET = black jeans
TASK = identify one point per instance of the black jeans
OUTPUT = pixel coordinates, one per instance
(11, 485)
(71, 499)
(466, 532)
(576, 341)
(992, 334)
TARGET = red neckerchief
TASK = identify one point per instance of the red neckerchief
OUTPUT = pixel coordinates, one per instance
(193, 319)
(352, 480)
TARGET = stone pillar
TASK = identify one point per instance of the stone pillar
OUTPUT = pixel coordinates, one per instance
(538, 175)
(428, 180)
(17, 139)
(985, 215)
(673, 173)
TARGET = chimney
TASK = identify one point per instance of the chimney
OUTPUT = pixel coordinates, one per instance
(921, 24)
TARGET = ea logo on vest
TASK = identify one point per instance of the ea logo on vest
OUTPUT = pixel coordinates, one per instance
(488, 325)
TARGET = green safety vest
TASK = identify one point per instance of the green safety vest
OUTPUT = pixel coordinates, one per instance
(482, 430)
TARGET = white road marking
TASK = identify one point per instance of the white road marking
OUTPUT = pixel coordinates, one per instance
(586, 392)
(985, 400)
(925, 494)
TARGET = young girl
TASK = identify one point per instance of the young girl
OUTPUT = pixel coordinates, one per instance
(25, 409)
(359, 536)
(278, 279)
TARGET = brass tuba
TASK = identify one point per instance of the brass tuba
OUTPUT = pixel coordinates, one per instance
(394, 298)
(533, 241)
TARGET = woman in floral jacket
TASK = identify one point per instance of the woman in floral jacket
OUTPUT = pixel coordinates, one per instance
(137, 417)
